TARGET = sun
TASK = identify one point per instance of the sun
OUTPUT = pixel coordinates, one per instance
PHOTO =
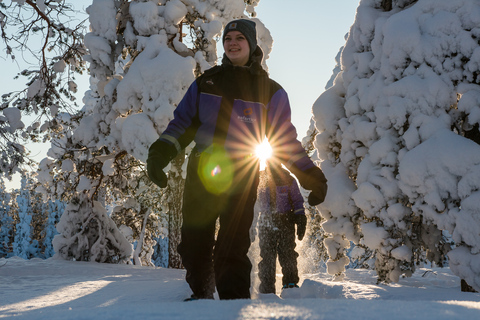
(263, 152)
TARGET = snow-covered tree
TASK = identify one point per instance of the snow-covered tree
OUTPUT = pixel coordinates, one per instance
(392, 138)
(48, 37)
(6, 221)
(23, 229)
(143, 55)
(87, 233)
(160, 253)
(142, 231)
(54, 210)
(312, 248)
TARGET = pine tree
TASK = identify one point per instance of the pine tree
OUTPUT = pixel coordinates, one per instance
(54, 210)
(378, 123)
(39, 220)
(23, 233)
(138, 223)
(160, 254)
(6, 221)
(312, 247)
(87, 233)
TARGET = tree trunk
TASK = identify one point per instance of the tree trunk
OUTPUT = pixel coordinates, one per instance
(175, 189)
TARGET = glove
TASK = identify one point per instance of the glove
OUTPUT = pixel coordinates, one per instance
(315, 180)
(301, 222)
(156, 174)
(159, 155)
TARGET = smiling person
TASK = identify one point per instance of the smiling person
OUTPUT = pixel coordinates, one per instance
(228, 111)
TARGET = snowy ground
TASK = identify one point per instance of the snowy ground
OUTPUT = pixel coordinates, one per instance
(58, 289)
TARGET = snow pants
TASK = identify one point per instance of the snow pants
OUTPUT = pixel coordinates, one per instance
(222, 263)
(277, 237)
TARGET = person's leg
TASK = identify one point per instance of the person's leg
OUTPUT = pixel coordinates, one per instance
(268, 254)
(287, 256)
(196, 250)
(198, 234)
(232, 265)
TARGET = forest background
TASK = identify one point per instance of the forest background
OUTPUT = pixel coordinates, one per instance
(397, 135)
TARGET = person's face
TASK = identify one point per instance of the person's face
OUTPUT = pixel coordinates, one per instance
(236, 48)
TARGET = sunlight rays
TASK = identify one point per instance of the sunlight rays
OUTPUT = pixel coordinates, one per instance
(263, 152)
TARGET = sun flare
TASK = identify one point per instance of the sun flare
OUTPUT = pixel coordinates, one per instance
(263, 153)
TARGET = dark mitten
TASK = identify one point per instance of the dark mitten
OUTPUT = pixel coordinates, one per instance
(301, 222)
(159, 155)
(315, 180)
(156, 174)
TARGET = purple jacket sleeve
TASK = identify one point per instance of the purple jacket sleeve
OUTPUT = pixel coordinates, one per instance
(181, 130)
(282, 135)
(297, 198)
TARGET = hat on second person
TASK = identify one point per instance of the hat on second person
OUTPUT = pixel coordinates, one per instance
(247, 28)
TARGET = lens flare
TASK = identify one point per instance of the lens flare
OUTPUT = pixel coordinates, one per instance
(263, 152)
(216, 170)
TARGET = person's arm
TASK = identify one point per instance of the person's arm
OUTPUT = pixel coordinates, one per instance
(282, 136)
(297, 198)
(179, 133)
(298, 212)
(181, 130)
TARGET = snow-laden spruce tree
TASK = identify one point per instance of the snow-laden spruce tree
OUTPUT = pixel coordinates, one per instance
(393, 140)
(6, 221)
(39, 220)
(23, 229)
(54, 210)
(143, 55)
(312, 249)
(86, 233)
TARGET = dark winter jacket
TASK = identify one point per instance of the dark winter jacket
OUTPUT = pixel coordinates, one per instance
(286, 197)
(235, 108)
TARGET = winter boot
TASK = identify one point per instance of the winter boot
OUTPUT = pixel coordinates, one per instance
(191, 298)
(290, 285)
(290, 291)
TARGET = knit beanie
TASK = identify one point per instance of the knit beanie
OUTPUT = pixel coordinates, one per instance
(247, 28)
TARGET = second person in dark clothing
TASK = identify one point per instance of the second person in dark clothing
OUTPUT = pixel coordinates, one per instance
(281, 208)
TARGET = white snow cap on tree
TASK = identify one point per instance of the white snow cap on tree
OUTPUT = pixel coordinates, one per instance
(155, 83)
(393, 124)
(13, 116)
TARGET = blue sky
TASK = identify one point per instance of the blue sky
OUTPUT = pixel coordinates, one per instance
(307, 36)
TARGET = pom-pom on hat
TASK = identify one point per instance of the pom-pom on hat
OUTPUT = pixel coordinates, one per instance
(247, 28)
